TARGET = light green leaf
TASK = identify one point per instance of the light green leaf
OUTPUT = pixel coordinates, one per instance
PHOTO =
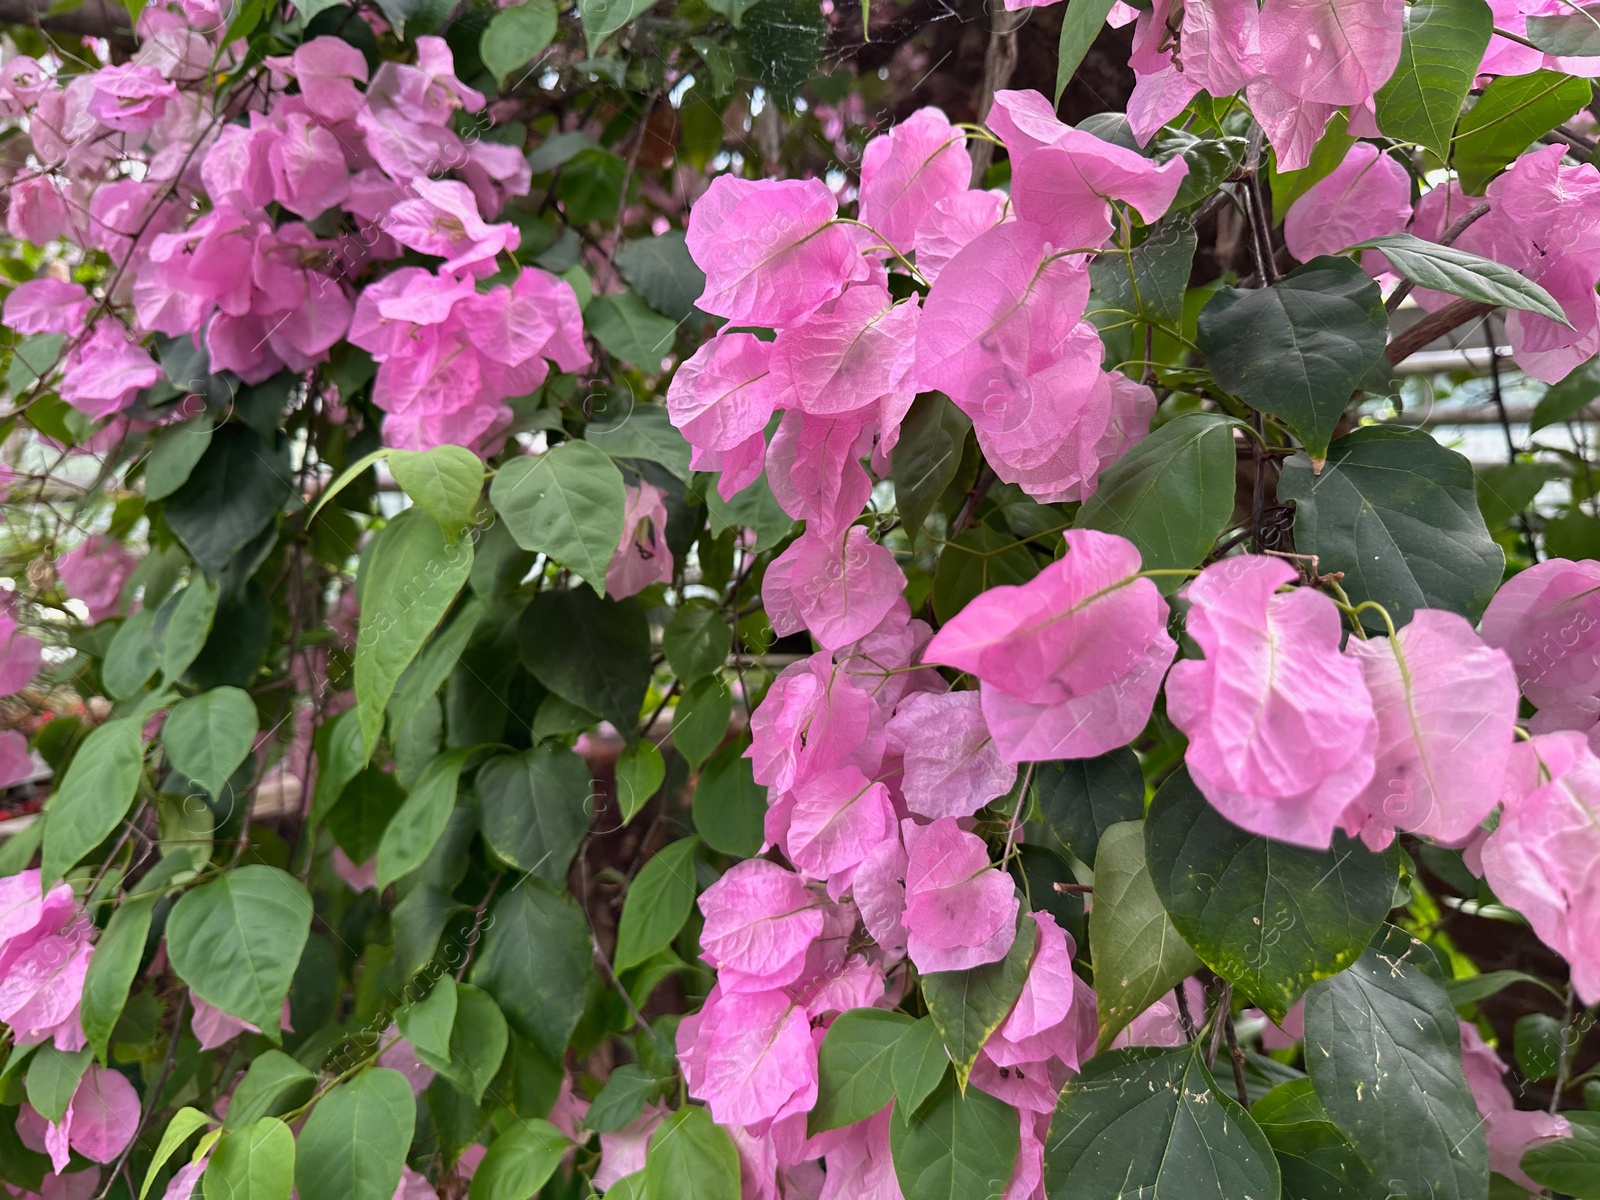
(967, 1006)
(630, 329)
(94, 797)
(700, 720)
(417, 825)
(956, 1146)
(622, 1098)
(1316, 1160)
(640, 770)
(1138, 956)
(1514, 112)
(184, 1124)
(519, 1161)
(1452, 270)
(1081, 24)
(1571, 1165)
(409, 581)
(131, 658)
(53, 1077)
(426, 1023)
(690, 1155)
(354, 1143)
(477, 1042)
(567, 503)
(855, 1077)
(919, 1063)
(445, 480)
(117, 954)
(182, 626)
(1442, 46)
(516, 37)
(208, 736)
(237, 941)
(252, 1163)
(602, 18)
(645, 432)
(658, 902)
(274, 1084)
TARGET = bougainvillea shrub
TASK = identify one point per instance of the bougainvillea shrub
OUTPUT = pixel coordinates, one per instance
(582, 612)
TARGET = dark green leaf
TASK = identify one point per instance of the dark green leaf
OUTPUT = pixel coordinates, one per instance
(1080, 25)
(1480, 987)
(1574, 535)
(630, 329)
(658, 903)
(1138, 955)
(1572, 33)
(754, 508)
(1398, 514)
(977, 560)
(208, 736)
(408, 582)
(516, 37)
(1298, 349)
(363, 812)
(255, 1162)
(1384, 1051)
(1443, 43)
(1147, 1122)
(535, 962)
(417, 825)
(1083, 797)
(566, 503)
(174, 455)
(1507, 489)
(1316, 1160)
(1514, 112)
(700, 720)
(729, 807)
(94, 797)
(1171, 495)
(926, 458)
(354, 1143)
(967, 1006)
(237, 940)
(53, 1077)
(660, 269)
(690, 1155)
(696, 642)
(854, 1066)
(956, 1146)
(1269, 917)
(1460, 273)
(1537, 1038)
(535, 809)
(590, 184)
(1151, 280)
(621, 1100)
(1565, 400)
(231, 495)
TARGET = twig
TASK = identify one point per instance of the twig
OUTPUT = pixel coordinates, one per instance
(1237, 1055)
(153, 1096)
(998, 62)
(1564, 1063)
(1435, 325)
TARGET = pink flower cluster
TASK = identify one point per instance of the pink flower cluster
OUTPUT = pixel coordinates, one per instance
(21, 656)
(266, 294)
(1001, 330)
(1543, 220)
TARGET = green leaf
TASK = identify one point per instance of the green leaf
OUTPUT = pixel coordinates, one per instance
(1537, 1038)
(1505, 490)
(729, 806)
(426, 1023)
(428, 673)
(919, 1063)
(348, 476)
(445, 480)
(1081, 24)
(1474, 988)
(183, 626)
(977, 560)
(1326, 155)
(1171, 495)
(621, 1100)
(519, 1161)
(412, 832)
(252, 1163)
(408, 583)
(1574, 535)
(660, 269)
(602, 18)
(184, 1124)
(590, 186)
(1571, 1165)
(354, 1143)
(1298, 349)
(1269, 917)
(1449, 269)
(591, 652)
(114, 964)
(274, 1084)
(131, 658)
(696, 642)
(53, 1077)
(567, 503)
(1571, 34)
(364, 810)
(339, 760)
(477, 1042)
(173, 457)
(32, 359)
(690, 1155)
(854, 1066)
(1138, 956)
(925, 460)
(1443, 43)
(535, 809)
(1384, 1050)
(1316, 1160)
(1565, 400)
(700, 720)
(535, 962)
(1153, 278)
(640, 771)
(208, 736)
(631, 330)
(967, 1006)
(957, 1146)
(1083, 797)
(1398, 514)
(646, 432)
(1148, 1122)
(237, 941)
(658, 903)
(753, 508)
(1514, 112)
(94, 797)
(232, 494)
(516, 37)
